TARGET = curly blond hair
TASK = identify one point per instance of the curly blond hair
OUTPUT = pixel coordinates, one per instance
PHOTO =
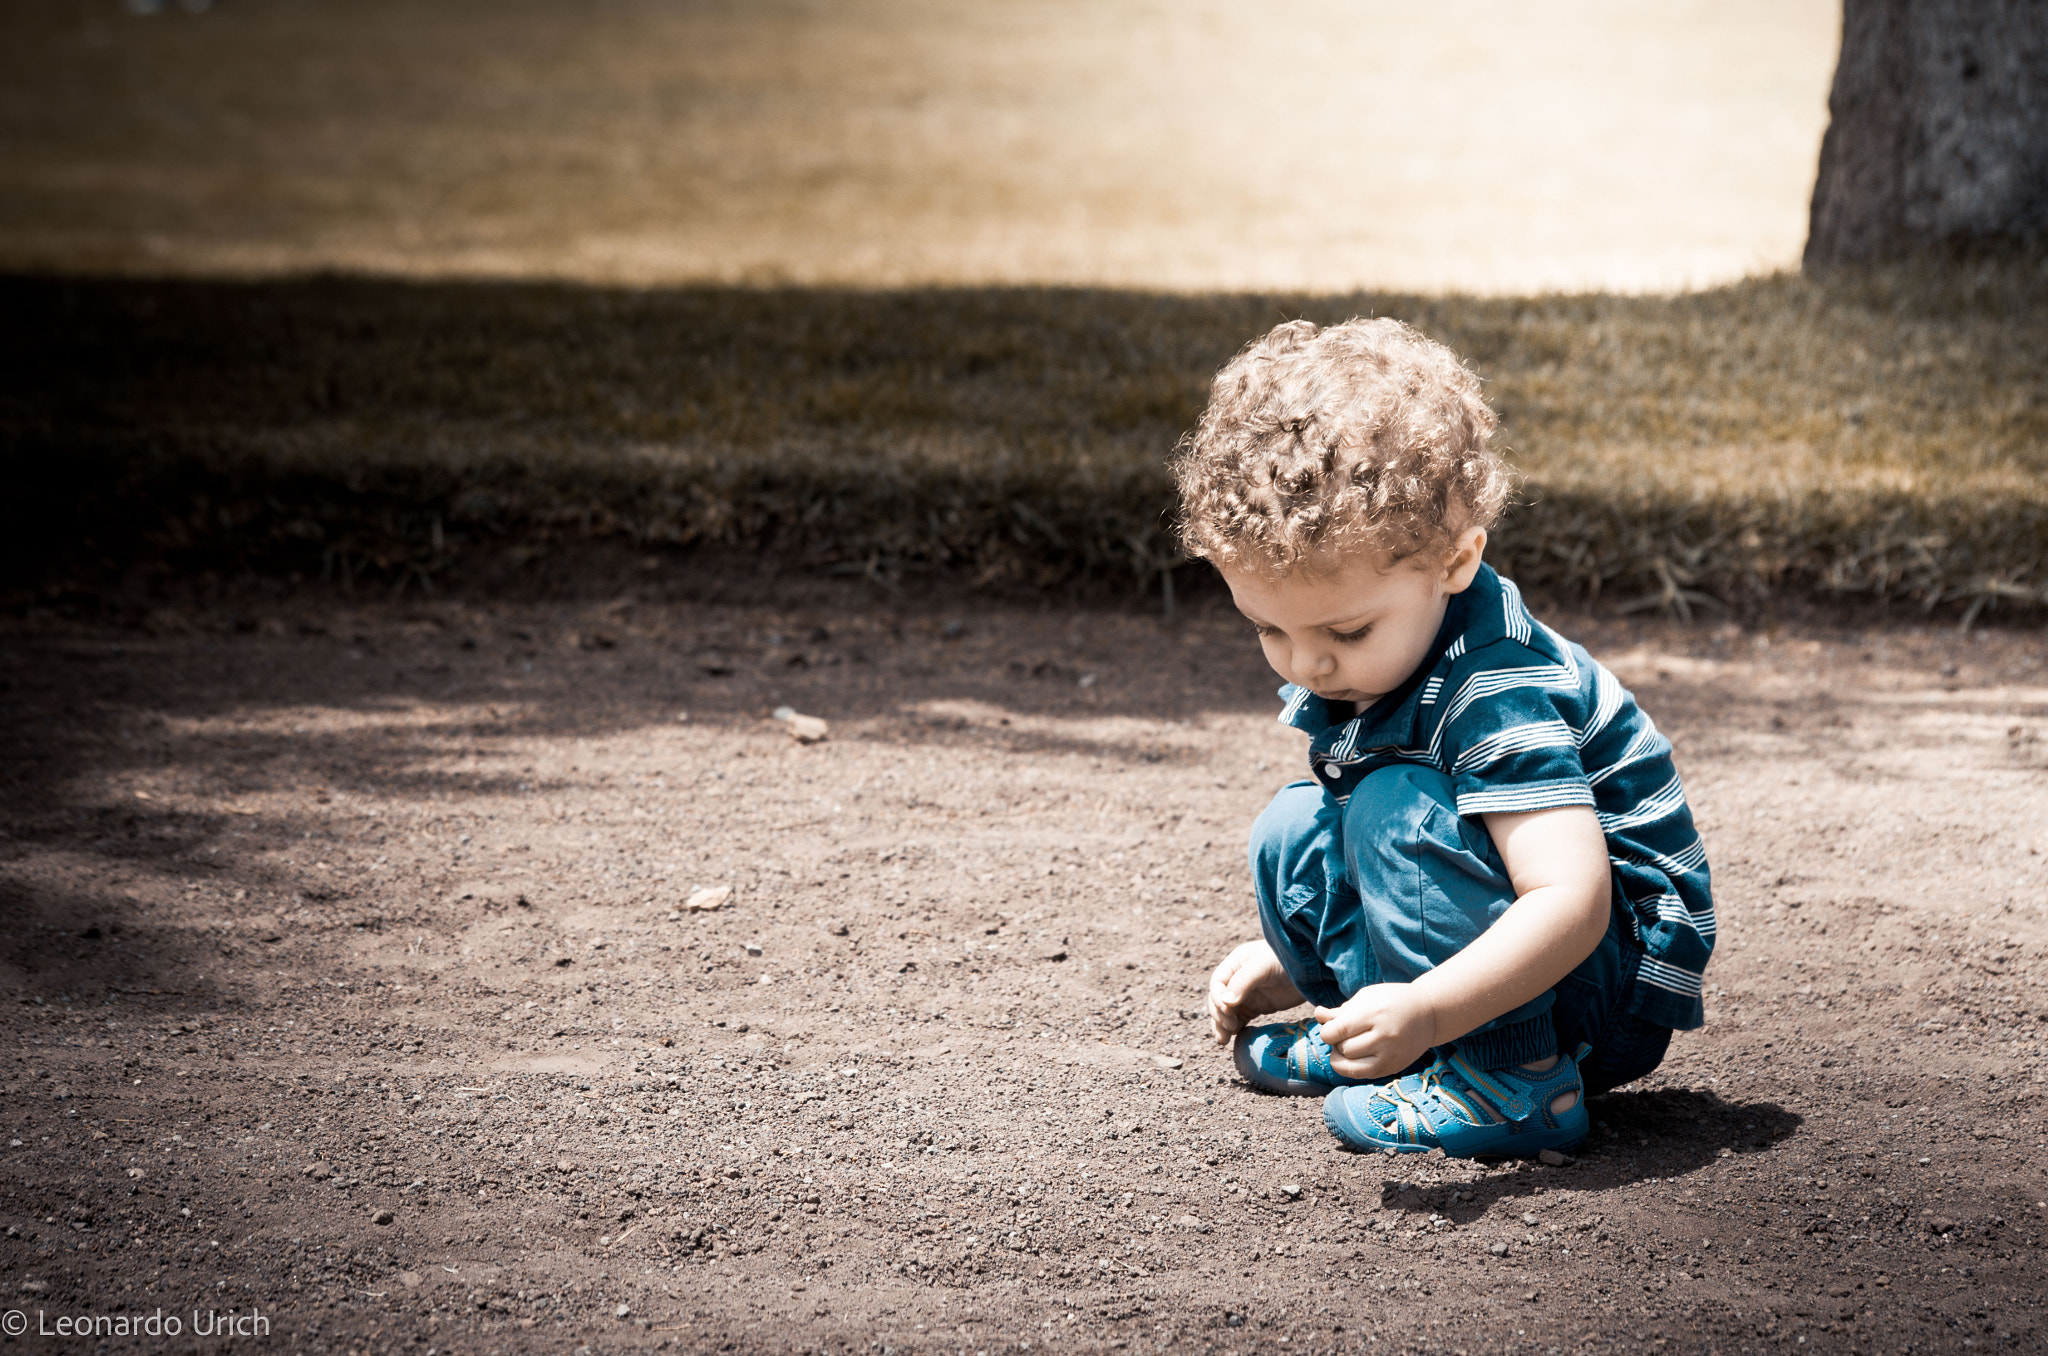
(1318, 443)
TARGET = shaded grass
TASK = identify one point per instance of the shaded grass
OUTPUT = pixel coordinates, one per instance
(1880, 434)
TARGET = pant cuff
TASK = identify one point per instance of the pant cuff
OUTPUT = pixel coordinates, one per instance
(1503, 1047)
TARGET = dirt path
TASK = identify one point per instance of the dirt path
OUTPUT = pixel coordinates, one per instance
(318, 912)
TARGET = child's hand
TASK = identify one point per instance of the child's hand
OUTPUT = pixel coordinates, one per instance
(1250, 983)
(1379, 1031)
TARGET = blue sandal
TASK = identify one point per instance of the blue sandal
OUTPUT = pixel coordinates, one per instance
(1288, 1058)
(1466, 1112)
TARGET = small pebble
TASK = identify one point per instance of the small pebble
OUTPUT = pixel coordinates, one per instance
(703, 901)
(1292, 1190)
(803, 729)
(382, 1217)
(623, 1311)
(1497, 1249)
(1552, 1158)
(1528, 1219)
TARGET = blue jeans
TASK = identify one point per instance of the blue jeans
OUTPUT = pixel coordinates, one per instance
(1394, 882)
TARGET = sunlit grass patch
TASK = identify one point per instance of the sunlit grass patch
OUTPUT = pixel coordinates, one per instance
(1884, 435)
(886, 143)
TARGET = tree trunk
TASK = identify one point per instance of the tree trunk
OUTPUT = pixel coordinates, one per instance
(1938, 131)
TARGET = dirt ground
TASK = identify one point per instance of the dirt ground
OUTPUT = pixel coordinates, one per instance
(354, 982)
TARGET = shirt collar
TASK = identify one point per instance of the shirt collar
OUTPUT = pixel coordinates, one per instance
(1479, 616)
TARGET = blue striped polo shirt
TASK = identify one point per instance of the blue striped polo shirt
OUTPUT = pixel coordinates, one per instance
(1522, 719)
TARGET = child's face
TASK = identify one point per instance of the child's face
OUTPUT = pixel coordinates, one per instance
(1356, 633)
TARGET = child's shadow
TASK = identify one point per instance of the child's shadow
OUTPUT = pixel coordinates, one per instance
(1666, 1133)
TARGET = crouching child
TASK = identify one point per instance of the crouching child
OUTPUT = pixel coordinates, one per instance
(1489, 885)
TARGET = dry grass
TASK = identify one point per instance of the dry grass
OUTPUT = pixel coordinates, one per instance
(1879, 435)
(822, 200)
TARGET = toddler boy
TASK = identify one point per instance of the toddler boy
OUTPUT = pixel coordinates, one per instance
(1490, 886)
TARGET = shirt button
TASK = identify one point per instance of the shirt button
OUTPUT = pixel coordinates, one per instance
(1332, 772)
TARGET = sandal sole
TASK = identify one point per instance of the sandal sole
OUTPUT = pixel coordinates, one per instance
(1529, 1145)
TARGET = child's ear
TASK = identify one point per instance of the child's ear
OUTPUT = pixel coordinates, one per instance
(1462, 567)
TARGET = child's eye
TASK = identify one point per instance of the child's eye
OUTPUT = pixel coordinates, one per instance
(1265, 630)
(1351, 637)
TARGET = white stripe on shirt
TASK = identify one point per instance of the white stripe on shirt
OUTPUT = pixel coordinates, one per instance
(1656, 973)
(1528, 796)
(1536, 734)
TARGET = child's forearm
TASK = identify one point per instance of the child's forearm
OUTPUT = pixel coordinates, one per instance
(1539, 940)
(1557, 862)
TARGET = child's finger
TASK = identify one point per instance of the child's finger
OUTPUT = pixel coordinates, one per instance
(1222, 1013)
(1344, 1039)
(1233, 990)
(1353, 1067)
(1357, 1047)
(1339, 1025)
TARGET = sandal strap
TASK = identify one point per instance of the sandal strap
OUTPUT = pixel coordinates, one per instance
(1417, 1108)
(1412, 1123)
(1506, 1101)
(1309, 1058)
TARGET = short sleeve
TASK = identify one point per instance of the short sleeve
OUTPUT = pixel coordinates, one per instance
(1511, 741)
